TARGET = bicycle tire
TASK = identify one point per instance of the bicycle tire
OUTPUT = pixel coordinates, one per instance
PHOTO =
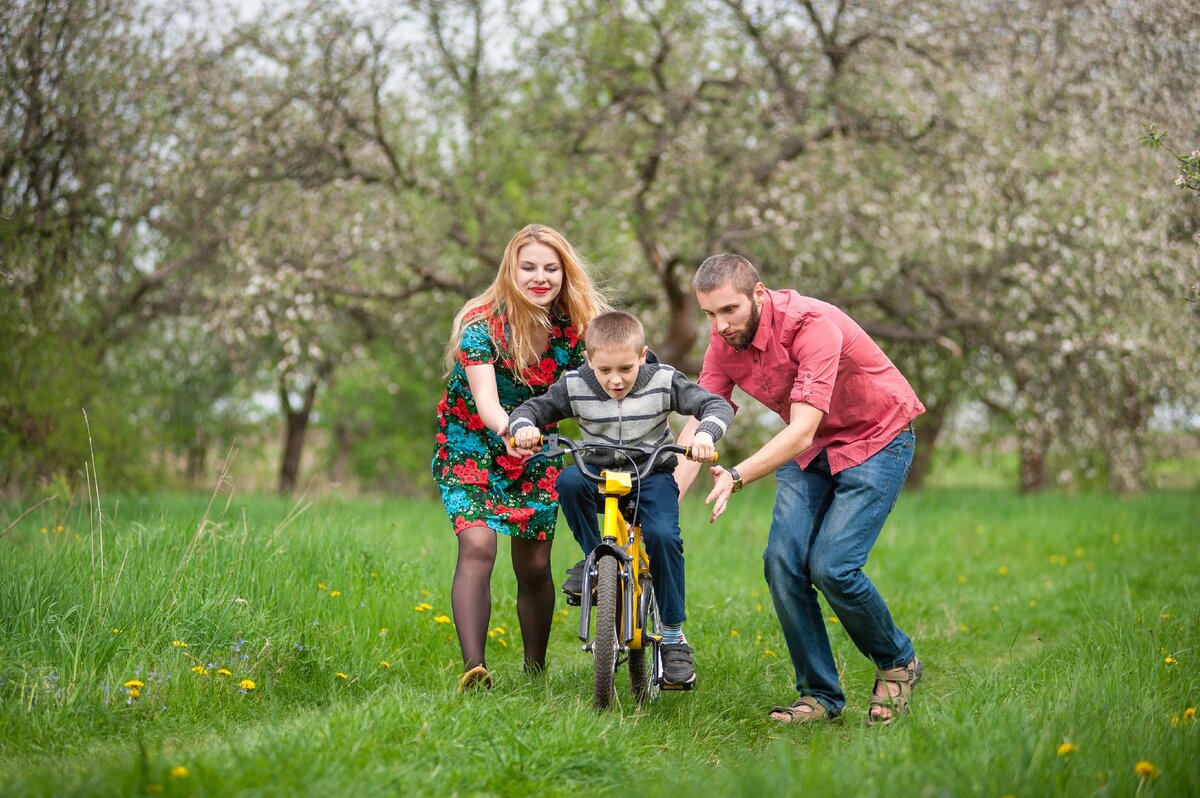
(642, 661)
(604, 645)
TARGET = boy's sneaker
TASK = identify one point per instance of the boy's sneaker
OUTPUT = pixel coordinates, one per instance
(677, 663)
(573, 587)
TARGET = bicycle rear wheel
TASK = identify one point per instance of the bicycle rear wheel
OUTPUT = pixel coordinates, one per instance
(642, 661)
(604, 646)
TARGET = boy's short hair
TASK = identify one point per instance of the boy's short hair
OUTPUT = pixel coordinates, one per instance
(614, 330)
(726, 269)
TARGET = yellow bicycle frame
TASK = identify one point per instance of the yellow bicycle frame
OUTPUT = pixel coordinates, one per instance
(617, 484)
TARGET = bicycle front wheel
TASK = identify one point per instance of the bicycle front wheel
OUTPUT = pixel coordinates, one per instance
(604, 646)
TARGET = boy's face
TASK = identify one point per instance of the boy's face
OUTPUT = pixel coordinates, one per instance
(617, 369)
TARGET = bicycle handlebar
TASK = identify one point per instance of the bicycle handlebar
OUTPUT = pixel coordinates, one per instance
(560, 444)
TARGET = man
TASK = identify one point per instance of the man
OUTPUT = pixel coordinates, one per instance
(839, 464)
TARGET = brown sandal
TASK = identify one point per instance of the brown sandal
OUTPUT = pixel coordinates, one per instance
(794, 714)
(903, 676)
(476, 676)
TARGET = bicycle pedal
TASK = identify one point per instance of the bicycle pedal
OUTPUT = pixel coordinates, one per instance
(573, 599)
(672, 686)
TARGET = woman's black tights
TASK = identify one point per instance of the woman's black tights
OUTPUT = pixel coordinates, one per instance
(471, 595)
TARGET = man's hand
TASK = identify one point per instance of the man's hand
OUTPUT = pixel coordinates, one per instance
(722, 490)
(526, 440)
(702, 449)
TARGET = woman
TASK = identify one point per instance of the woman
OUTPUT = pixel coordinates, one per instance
(509, 343)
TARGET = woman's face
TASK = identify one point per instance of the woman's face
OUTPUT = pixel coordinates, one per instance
(539, 274)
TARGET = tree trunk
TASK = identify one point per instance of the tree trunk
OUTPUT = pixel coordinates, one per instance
(929, 428)
(296, 428)
(1033, 463)
(681, 334)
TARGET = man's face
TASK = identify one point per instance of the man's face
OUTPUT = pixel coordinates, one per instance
(733, 315)
(617, 369)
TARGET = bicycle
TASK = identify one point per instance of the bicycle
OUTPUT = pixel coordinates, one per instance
(618, 572)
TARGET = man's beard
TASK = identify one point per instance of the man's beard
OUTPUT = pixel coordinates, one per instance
(743, 340)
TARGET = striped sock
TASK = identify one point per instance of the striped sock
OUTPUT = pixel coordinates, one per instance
(673, 634)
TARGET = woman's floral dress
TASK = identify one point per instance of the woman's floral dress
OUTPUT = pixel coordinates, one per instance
(480, 483)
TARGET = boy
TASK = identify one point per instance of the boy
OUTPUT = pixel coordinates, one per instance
(624, 395)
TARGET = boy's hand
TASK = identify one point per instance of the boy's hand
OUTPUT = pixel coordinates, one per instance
(527, 440)
(702, 448)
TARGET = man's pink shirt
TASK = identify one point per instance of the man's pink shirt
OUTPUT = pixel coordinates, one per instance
(809, 351)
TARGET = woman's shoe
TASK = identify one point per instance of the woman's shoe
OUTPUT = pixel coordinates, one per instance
(475, 676)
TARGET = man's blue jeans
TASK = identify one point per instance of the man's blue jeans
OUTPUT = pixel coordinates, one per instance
(823, 528)
(658, 513)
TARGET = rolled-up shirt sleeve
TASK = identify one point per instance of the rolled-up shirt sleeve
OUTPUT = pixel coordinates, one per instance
(816, 350)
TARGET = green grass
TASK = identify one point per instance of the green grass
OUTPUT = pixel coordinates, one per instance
(1040, 621)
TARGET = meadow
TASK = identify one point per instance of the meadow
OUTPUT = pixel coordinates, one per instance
(247, 645)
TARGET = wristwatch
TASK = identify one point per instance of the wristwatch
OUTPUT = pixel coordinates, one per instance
(737, 479)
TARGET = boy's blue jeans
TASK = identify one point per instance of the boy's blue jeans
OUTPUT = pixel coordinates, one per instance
(823, 528)
(658, 513)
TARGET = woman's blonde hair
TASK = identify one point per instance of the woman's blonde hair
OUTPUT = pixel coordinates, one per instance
(578, 300)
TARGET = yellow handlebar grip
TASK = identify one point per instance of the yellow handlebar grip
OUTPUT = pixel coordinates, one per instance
(714, 459)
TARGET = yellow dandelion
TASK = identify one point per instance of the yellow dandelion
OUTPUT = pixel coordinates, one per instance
(564, 613)
(200, 669)
(1174, 721)
(1170, 660)
(58, 528)
(502, 642)
(117, 631)
(134, 683)
(733, 633)
(1078, 552)
(1189, 713)
(500, 630)
(1165, 616)
(425, 605)
(341, 675)
(1002, 570)
(374, 574)
(1033, 602)
(383, 663)
(43, 530)
(1146, 770)
(247, 684)
(768, 653)
(833, 619)
(1116, 538)
(179, 644)
(322, 586)
(334, 593)
(442, 618)
(382, 631)
(962, 627)
(491, 633)
(1067, 748)
(962, 580)
(224, 672)
(179, 772)
(995, 608)
(758, 607)
(135, 692)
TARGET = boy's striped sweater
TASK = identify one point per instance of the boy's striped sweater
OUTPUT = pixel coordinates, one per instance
(638, 419)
